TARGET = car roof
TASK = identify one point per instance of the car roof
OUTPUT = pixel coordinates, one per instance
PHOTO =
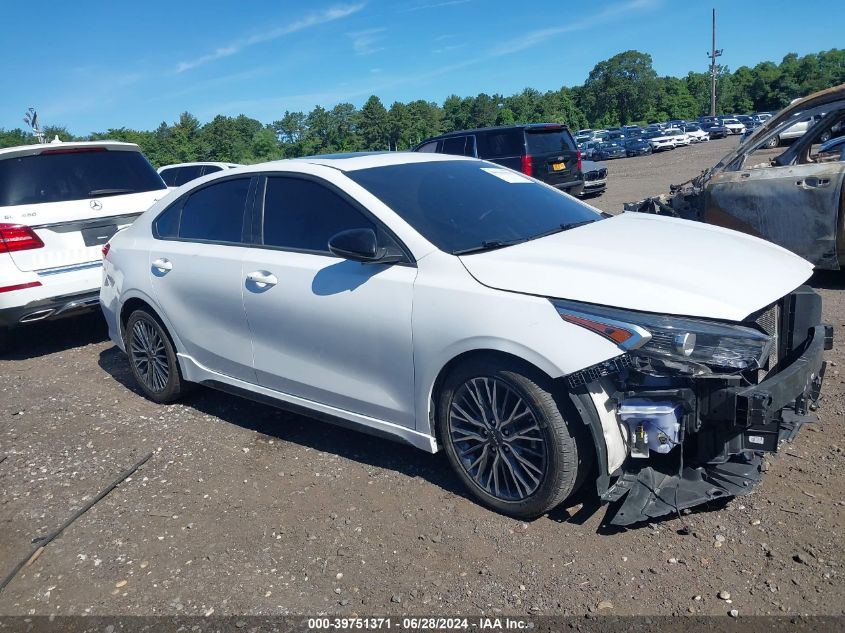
(353, 161)
(499, 128)
(198, 163)
(35, 149)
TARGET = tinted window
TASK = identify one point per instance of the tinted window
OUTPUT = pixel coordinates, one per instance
(304, 214)
(462, 204)
(501, 144)
(57, 175)
(550, 141)
(210, 169)
(216, 212)
(454, 145)
(169, 176)
(428, 147)
(167, 223)
(188, 173)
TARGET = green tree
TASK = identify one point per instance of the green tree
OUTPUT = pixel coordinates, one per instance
(622, 88)
(373, 125)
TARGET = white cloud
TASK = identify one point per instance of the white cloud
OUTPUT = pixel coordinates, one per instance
(609, 14)
(366, 42)
(307, 21)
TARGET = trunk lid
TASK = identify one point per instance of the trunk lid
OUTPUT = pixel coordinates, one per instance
(553, 153)
(73, 232)
(74, 196)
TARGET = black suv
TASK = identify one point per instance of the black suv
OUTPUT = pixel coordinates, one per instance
(545, 151)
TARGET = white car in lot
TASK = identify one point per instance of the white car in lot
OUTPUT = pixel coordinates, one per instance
(679, 137)
(178, 174)
(735, 126)
(455, 304)
(59, 204)
(660, 140)
(695, 134)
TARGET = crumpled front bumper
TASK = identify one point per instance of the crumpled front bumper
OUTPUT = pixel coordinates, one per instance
(746, 422)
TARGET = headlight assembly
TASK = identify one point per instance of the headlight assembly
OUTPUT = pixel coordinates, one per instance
(719, 346)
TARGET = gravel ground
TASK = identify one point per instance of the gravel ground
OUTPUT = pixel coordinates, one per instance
(244, 509)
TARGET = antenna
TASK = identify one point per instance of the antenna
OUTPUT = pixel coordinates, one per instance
(31, 119)
(713, 55)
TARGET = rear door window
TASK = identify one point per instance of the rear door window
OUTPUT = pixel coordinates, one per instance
(210, 169)
(428, 148)
(188, 173)
(215, 213)
(169, 176)
(75, 173)
(454, 145)
(501, 144)
(303, 215)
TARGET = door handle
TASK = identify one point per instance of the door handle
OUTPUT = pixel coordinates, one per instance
(812, 182)
(162, 264)
(262, 278)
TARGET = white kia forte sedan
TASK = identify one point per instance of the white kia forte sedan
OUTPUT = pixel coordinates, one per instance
(454, 304)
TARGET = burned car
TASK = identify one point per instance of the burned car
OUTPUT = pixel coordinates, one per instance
(792, 197)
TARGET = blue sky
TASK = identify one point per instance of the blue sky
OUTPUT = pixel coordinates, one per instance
(102, 64)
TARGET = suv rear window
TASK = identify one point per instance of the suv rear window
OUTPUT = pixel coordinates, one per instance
(549, 141)
(74, 174)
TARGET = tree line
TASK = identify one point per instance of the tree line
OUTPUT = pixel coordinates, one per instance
(621, 90)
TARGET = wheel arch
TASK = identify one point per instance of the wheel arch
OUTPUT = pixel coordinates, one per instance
(544, 366)
(136, 301)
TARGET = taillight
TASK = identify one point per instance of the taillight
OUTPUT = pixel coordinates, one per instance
(106, 249)
(579, 160)
(527, 169)
(17, 237)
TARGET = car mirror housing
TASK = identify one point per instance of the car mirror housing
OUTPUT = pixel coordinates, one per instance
(361, 245)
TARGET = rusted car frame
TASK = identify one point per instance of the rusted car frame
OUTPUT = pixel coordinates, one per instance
(791, 196)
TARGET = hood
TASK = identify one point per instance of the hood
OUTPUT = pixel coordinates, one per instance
(650, 263)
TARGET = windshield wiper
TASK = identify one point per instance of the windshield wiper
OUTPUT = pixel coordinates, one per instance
(99, 193)
(487, 245)
(563, 227)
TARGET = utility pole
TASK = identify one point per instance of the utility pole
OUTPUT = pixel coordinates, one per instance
(713, 55)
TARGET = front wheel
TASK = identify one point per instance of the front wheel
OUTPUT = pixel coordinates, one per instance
(506, 438)
(152, 357)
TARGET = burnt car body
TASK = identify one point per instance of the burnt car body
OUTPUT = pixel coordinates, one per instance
(792, 197)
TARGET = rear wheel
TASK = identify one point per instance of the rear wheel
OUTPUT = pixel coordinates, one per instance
(152, 357)
(506, 438)
(773, 142)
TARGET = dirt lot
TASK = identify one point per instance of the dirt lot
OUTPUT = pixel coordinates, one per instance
(246, 509)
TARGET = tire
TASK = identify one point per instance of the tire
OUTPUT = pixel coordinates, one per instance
(825, 137)
(535, 433)
(152, 357)
(773, 142)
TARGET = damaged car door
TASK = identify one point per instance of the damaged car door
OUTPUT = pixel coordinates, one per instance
(797, 205)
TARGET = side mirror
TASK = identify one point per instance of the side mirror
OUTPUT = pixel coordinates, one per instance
(361, 245)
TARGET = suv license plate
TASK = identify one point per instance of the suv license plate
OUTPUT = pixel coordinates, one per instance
(98, 235)
(558, 166)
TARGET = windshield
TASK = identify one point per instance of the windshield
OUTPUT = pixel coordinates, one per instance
(462, 205)
(75, 174)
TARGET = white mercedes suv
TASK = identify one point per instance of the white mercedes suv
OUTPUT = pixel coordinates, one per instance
(452, 303)
(59, 204)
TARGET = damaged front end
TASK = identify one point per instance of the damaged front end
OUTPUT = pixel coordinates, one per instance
(686, 414)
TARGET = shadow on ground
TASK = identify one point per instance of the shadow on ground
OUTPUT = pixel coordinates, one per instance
(51, 337)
